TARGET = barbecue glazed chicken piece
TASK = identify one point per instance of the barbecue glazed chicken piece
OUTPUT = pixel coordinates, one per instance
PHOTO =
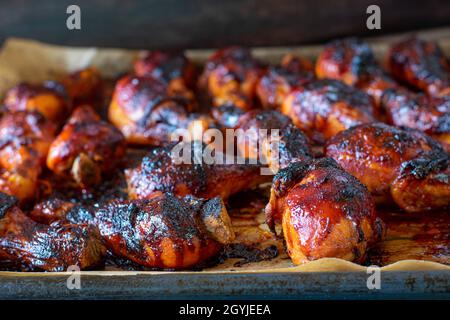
(30, 246)
(291, 146)
(173, 69)
(160, 232)
(86, 147)
(352, 61)
(418, 111)
(230, 77)
(160, 172)
(165, 232)
(84, 86)
(279, 81)
(403, 166)
(145, 112)
(323, 108)
(420, 64)
(25, 139)
(324, 211)
(49, 99)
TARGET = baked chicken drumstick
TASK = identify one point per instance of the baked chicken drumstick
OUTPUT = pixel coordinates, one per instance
(86, 147)
(419, 111)
(403, 166)
(352, 61)
(230, 77)
(49, 99)
(420, 64)
(159, 172)
(145, 112)
(164, 231)
(30, 246)
(25, 140)
(324, 211)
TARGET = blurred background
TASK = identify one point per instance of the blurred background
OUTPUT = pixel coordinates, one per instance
(212, 23)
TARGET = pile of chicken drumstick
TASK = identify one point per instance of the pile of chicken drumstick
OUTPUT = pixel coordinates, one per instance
(384, 132)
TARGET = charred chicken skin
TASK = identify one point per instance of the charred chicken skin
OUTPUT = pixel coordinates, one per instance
(173, 69)
(420, 64)
(165, 231)
(279, 81)
(30, 246)
(25, 140)
(145, 112)
(352, 61)
(292, 145)
(323, 108)
(403, 166)
(418, 111)
(160, 172)
(49, 99)
(86, 147)
(324, 211)
(230, 77)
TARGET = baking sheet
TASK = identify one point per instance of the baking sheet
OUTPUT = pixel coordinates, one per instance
(31, 61)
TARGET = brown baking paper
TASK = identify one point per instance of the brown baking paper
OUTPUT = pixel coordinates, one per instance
(32, 61)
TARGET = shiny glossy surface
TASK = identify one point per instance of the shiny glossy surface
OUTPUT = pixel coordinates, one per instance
(418, 111)
(420, 64)
(29, 246)
(324, 211)
(145, 112)
(330, 213)
(25, 139)
(402, 166)
(325, 107)
(161, 232)
(85, 134)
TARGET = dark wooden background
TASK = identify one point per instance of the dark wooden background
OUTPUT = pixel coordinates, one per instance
(203, 23)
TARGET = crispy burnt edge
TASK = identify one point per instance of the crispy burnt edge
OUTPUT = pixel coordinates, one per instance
(435, 160)
(207, 222)
(210, 219)
(79, 232)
